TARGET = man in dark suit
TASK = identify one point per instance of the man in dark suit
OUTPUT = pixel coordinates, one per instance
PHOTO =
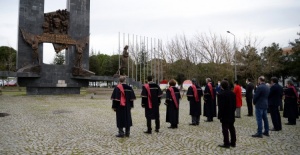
(227, 107)
(249, 96)
(260, 100)
(275, 99)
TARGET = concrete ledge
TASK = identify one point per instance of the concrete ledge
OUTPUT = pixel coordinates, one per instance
(52, 90)
(18, 74)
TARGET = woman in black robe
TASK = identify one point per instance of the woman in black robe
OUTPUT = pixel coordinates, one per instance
(290, 103)
(172, 103)
(194, 95)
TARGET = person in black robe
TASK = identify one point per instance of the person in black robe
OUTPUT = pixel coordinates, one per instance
(172, 103)
(249, 96)
(151, 95)
(290, 110)
(209, 101)
(227, 107)
(194, 95)
(274, 101)
(122, 102)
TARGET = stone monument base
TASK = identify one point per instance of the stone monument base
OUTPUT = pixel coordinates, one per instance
(52, 90)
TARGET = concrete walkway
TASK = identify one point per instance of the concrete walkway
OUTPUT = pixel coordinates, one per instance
(77, 124)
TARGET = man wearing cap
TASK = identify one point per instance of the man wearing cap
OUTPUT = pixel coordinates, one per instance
(194, 95)
(122, 102)
(151, 95)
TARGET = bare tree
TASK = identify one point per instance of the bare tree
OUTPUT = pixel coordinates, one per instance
(212, 48)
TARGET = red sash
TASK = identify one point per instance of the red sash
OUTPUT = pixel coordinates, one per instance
(149, 95)
(123, 98)
(173, 96)
(211, 90)
(292, 87)
(195, 93)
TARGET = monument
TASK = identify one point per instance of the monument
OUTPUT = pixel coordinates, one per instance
(123, 64)
(66, 29)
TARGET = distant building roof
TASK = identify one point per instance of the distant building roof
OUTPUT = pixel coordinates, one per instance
(287, 50)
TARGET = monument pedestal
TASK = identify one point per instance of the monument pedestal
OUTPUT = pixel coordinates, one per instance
(52, 90)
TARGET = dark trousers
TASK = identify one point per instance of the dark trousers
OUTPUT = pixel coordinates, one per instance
(275, 116)
(292, 120)
(249, 105)
(210, 119)
(196, 120)
(157, 124)
(225, 128)
(281, 106)
(127, 131)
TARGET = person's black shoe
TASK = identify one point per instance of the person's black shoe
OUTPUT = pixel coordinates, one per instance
(147, 132)
(208, 121)
(192, 124)
(257, 136)
(232, 145)
(274, 129)
(127, 135)
(237, 117)
(224, 146)
(266, 134)
(120, 135)
(290, 123)
(197, 123)
(156, 130)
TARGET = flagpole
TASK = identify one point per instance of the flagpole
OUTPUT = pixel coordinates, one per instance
(119, 53)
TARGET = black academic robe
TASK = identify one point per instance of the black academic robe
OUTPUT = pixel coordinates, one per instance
(123, 113)
(172, 114)
(195, 107)
(209, 103)
(290, 104)
(227, 106)
(156, 94)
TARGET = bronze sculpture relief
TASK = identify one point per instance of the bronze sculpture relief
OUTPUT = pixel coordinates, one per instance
(55, 31)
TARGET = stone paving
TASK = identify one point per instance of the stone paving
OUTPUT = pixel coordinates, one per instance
(77, 124)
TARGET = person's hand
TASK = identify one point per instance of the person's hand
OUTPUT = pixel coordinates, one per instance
(166, 103)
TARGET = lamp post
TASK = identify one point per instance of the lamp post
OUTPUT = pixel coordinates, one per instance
(235, 76)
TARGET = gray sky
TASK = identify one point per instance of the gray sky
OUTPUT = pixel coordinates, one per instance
(267, 20)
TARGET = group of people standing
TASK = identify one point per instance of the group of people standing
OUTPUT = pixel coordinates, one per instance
(228, 101)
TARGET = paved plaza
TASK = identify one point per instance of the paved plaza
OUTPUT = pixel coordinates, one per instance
(77, 124)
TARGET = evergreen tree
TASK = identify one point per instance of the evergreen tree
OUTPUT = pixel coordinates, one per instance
(59, 59)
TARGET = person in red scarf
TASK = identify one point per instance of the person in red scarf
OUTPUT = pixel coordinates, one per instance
(172, 103)
(122, 102)
(290, 110)
(209, 101)
(237, 90)
(194, 95)
(151, 95)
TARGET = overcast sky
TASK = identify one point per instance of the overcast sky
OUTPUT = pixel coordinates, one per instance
(267, 20)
